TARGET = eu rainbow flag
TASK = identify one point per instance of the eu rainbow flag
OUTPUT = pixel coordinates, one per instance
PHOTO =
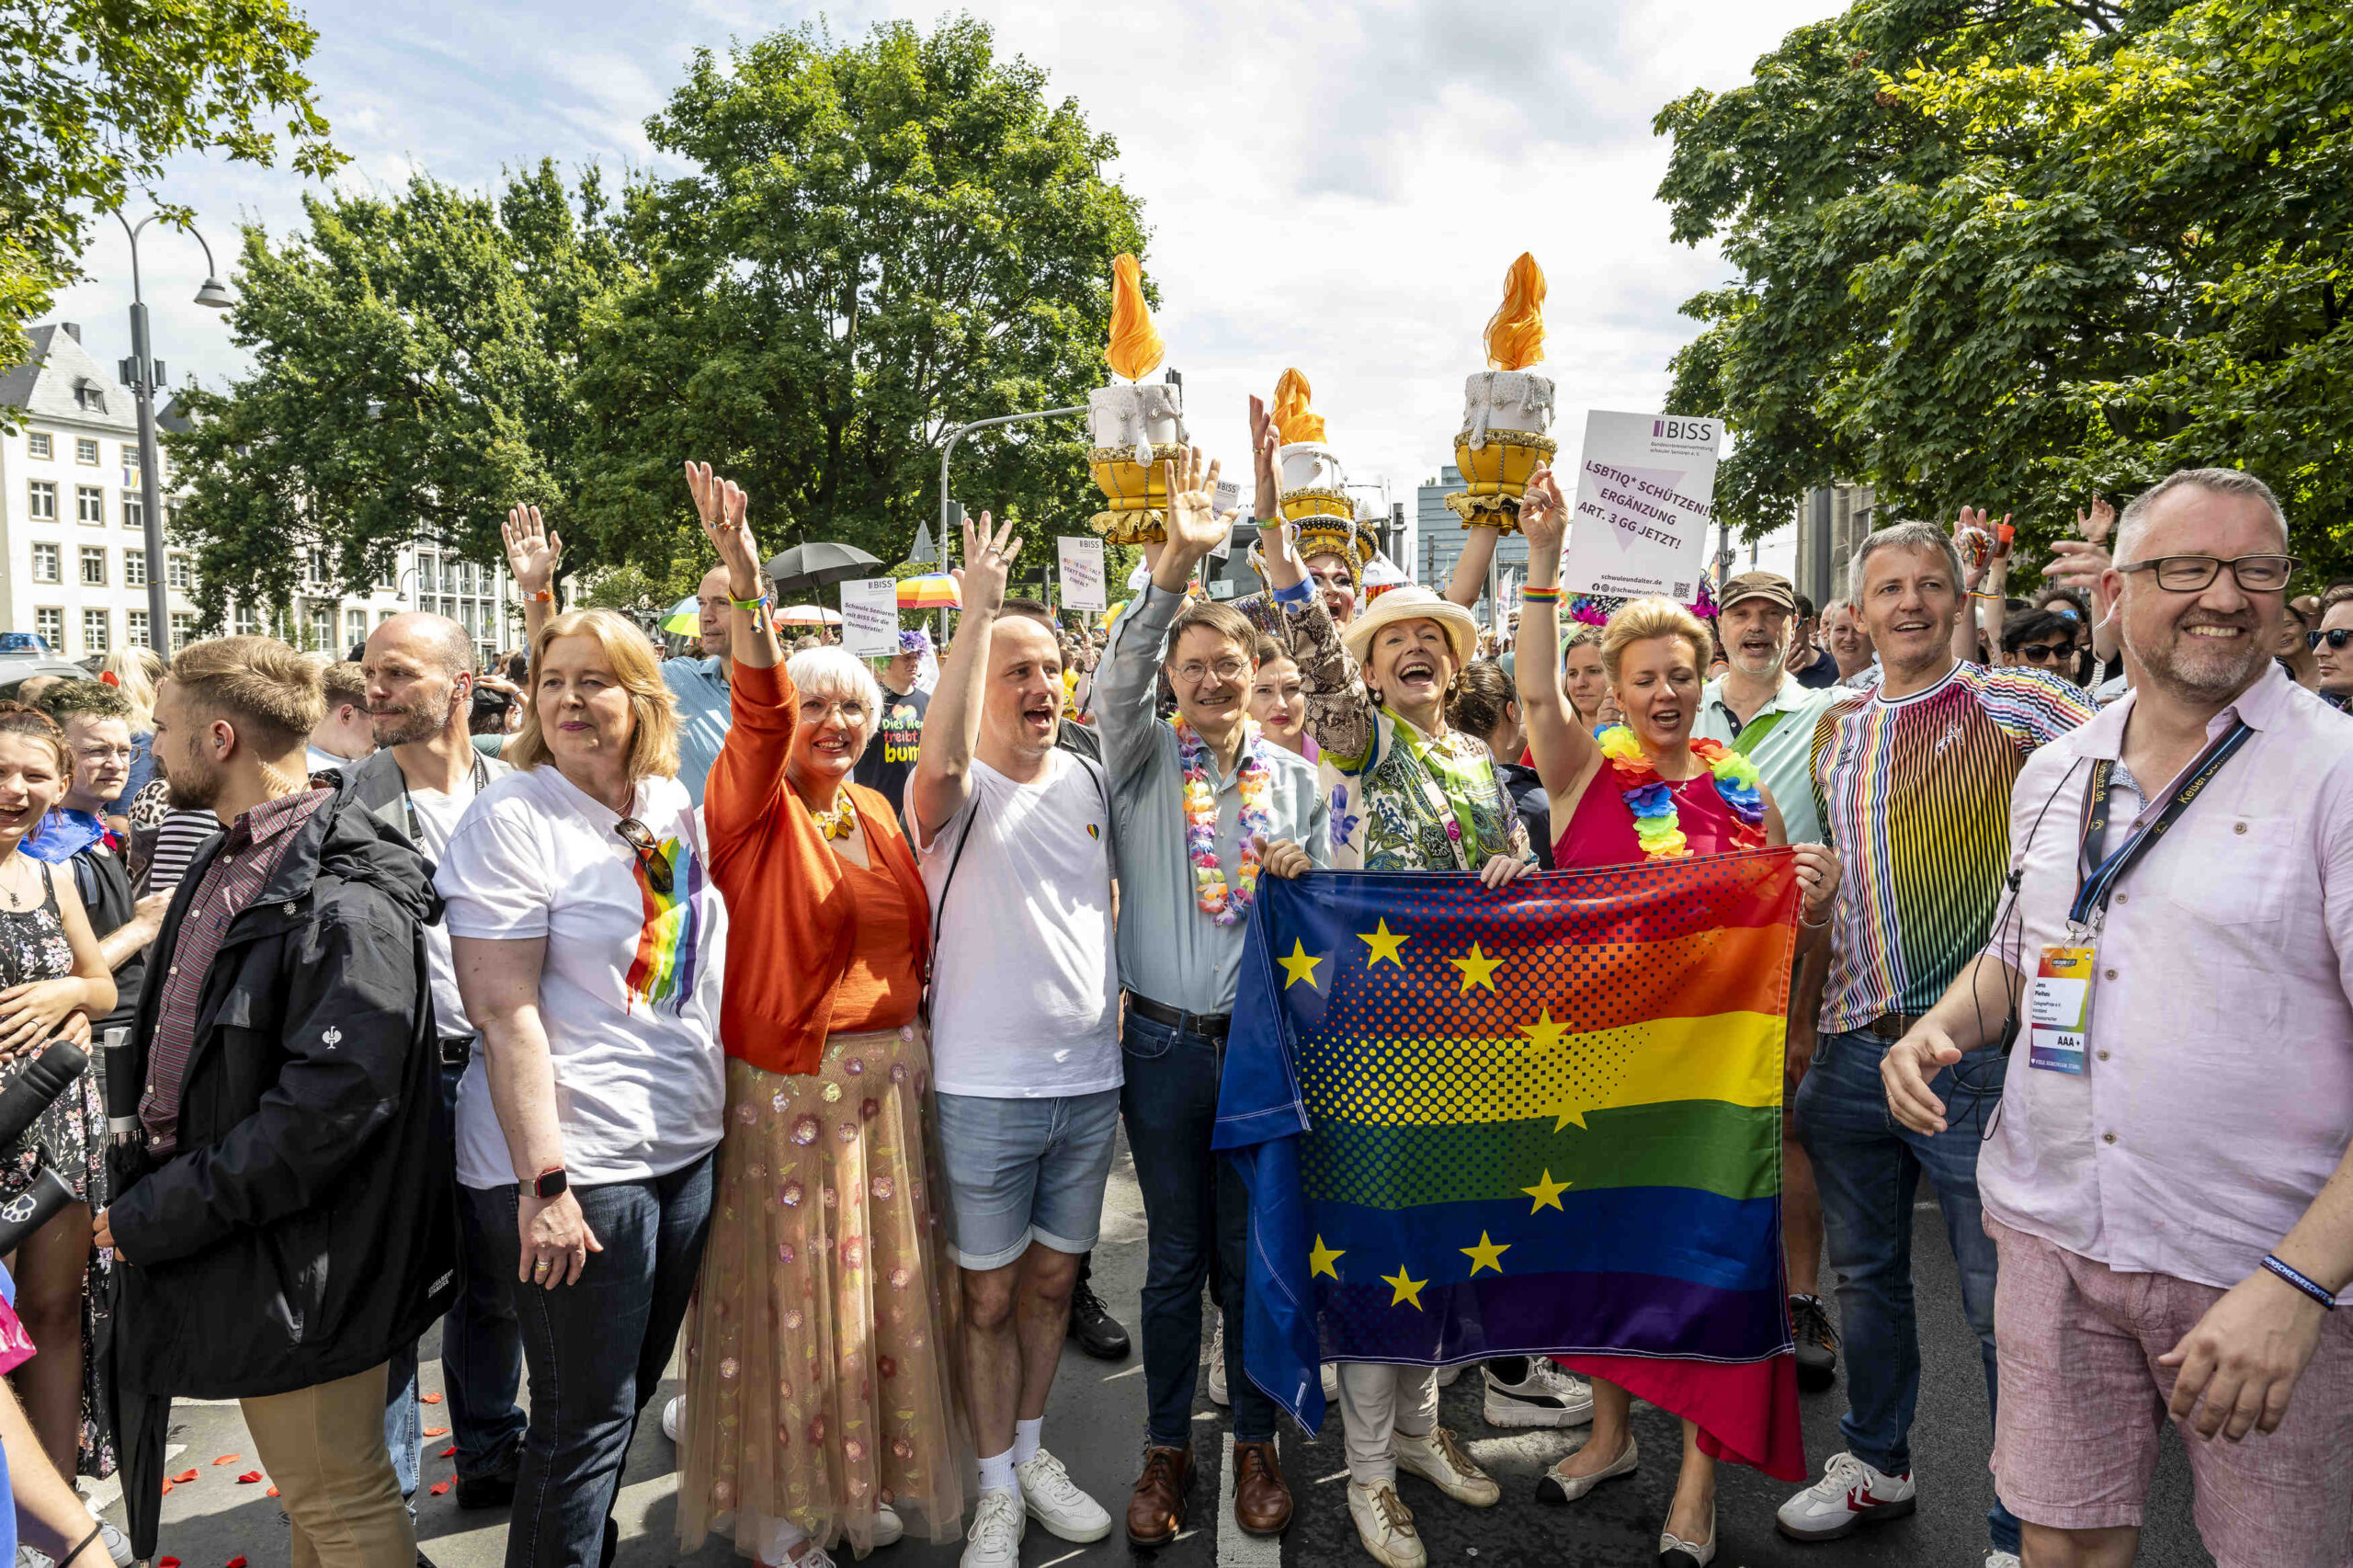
(1540, 1120)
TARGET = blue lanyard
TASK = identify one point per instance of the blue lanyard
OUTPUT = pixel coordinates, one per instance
(2092, 892)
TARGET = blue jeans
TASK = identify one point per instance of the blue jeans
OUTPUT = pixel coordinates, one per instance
(595, 1350)
(1869, 1168)
(1194, 1203)
(404, 1426)
(482, 1344)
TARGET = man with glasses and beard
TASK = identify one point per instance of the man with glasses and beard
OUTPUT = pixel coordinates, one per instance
(2168, 1185)
(424, 773)
(2333, 646)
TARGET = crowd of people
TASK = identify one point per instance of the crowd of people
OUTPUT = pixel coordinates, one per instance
(786, 1006)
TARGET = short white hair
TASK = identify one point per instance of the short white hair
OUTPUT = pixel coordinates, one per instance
(2215, 481)
(829, 671)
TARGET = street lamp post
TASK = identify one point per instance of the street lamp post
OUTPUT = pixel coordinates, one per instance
(145, 375)
(947, 515)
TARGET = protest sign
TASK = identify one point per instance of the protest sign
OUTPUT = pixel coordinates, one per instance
(870, 618)
(1081, 573)
(1645, 499)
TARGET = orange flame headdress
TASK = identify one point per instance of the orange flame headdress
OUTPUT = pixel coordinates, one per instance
(1136, 347)
(1293, 419)
(1516, 331)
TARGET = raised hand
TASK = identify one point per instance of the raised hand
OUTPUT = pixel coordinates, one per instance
(1264, 506)
(1543, 511)
(1194, 527)
(988, 565)
(2075, 562)
(1975, 559)
(723, 505)
(2095, 528)
(533, 550)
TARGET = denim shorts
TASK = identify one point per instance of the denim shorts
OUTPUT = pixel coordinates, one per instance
(1018, 1171)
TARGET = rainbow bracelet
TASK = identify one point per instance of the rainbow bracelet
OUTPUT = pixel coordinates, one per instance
(1541, 595)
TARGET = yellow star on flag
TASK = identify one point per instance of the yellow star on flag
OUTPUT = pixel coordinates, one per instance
(1546, 1193)
(1486, 1255)
(1321, 1259)
(1544, 1034)
(1409, 1290)
(1299, 966)
(1384, 944)
(1478, 969)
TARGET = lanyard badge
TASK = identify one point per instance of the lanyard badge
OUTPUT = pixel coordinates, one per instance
(2059, 1009)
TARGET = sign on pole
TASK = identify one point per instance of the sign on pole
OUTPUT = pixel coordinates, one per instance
(1646, 490)
(925, 552)
(1081, 573)
(870, 618)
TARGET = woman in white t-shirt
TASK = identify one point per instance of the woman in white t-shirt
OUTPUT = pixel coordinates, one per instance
(588, 940)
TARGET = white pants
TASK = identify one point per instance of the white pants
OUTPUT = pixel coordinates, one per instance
(1378, 1400)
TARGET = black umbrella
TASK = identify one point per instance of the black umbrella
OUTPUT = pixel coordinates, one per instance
(815, 565)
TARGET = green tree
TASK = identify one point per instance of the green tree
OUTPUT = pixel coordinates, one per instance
(2012, 251)
(96, 94)
(414, 366)
(880, 241)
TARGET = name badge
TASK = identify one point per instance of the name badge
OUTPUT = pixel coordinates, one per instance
(2059, 1009)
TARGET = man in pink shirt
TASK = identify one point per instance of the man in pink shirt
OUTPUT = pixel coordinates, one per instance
(2169, 1186)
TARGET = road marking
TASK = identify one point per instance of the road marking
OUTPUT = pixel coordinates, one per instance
(1131, 1372)
(1066, 1557)
(1237, 1548)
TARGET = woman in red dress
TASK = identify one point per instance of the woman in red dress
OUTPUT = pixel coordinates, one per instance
(1695, 798)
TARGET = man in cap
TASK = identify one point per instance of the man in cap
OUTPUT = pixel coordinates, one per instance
(1758, 708)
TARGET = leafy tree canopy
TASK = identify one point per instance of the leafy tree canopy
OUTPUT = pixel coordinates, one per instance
(2009, 252)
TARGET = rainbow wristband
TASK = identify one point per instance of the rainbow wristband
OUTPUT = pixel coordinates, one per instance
(1540, 595)
(2312, 1288)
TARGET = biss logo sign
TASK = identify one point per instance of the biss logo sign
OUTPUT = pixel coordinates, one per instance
(1683, 429)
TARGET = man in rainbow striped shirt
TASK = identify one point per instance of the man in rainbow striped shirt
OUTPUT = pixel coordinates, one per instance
(1912, 783)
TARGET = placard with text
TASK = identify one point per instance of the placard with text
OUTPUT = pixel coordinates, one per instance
(1645, 500)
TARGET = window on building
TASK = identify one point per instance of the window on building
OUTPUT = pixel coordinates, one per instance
(384, 615)
(44, 501)
(134, 511)
(93, 566)
(248, 622)
(183, 628)
(134, 629)
(322, 627)
(130, 461)
(90, 504)
(354, 627)
(37, 445)
(47, 563)
(95, 624)
(315, 567)
(134, 568)
(49, 621)
(89, 397)
(86, 450)
(179, 574)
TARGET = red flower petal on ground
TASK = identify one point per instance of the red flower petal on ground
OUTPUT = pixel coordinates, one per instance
(439, 1487)
(249, 1478)
(273, 1492)
(167, 1563)
(450, 1451)
(228, 1459)
(184, 1478)
(436, 1431)
(429, 1399)
(235, 1562)
(167, 1488)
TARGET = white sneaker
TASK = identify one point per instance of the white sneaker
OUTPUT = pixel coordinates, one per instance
(1547, 1396)
(118, 1545)
(1436, 1460)
(998, 1525)
(1331, 1371)
(32, 1557)
(1055, 1501)
(1219, 1394)
(1850, 1496)
(2001, 1559)
(1385, 1525)
(670, 1413)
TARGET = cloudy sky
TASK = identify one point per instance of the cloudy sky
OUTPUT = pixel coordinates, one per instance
(1339, 187)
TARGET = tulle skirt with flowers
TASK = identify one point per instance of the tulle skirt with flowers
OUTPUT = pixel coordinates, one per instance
(821, 1354)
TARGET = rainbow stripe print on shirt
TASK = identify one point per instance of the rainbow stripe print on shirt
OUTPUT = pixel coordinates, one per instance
(669, 943)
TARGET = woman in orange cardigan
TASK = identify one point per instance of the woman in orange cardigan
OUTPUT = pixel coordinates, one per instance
(819, 1402)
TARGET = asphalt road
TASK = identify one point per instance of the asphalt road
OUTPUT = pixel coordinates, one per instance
(1096, 1420)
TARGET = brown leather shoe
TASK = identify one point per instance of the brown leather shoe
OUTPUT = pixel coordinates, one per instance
(1261, 1499)
(1156, 1507)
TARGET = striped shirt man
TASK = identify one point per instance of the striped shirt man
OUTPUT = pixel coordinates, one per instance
(1914, 793)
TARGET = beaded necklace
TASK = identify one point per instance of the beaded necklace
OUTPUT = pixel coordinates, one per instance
(1658, 813)
(1210, 891)
(837, 821)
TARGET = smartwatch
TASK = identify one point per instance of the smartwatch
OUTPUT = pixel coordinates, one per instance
(550, 1183)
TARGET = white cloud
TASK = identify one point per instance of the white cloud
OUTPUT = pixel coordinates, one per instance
(1339, 187)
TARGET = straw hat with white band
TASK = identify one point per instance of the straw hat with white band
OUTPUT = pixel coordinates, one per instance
(1413, 603)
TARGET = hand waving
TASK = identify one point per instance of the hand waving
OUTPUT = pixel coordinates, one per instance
(1264, 438)
(533, 550)
(1194, 527)
(1543, 511)
(2096, 526)
(988, 565)
(721, 504)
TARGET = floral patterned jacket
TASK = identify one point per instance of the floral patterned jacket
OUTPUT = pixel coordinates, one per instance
(1401, 800)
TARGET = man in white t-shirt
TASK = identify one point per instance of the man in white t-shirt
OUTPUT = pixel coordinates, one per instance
(1016, 840)
(419, 782)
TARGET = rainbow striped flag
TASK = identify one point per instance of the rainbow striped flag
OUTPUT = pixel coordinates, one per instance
(1538, 1119)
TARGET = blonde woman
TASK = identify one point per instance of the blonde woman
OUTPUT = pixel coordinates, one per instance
(588, 937)
(1586, 680)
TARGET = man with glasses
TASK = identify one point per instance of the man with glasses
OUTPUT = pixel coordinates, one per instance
(2045, 639)
(1206, 786)
(1912, 781)
(2333, 646)
(2168, 1185)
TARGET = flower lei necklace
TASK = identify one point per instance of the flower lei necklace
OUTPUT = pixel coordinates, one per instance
(837, 821)
(1656, 813)
(1201, 822)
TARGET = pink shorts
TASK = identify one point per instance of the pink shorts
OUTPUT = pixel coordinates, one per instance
(2083, 1399)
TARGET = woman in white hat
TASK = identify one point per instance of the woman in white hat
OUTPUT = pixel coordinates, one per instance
(1695, 798)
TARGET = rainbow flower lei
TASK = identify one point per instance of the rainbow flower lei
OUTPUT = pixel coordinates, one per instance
(1210, 889)
(1657, 825)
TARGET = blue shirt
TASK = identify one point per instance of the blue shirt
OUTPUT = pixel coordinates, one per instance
(700, 687)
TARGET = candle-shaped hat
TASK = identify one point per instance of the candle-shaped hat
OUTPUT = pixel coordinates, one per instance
(1508, 408)
(1136, 426)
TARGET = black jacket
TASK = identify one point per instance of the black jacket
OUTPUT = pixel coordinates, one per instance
(304, 1227)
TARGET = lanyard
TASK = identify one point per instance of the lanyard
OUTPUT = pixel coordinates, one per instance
(2107, 870)
(408, 804)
